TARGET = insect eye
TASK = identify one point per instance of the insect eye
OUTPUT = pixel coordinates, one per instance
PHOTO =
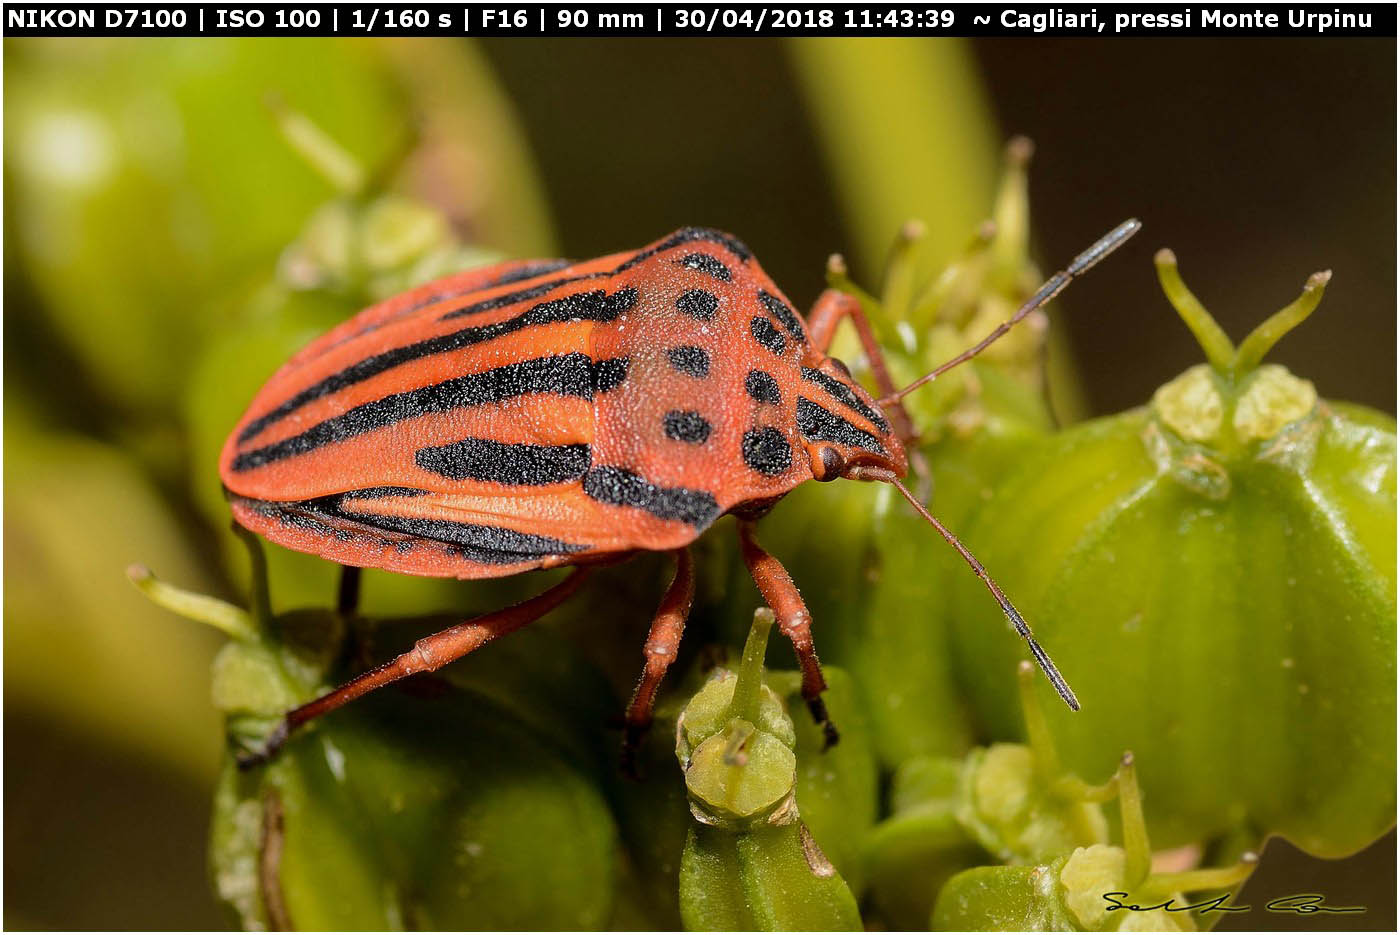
(832, 464)
(839, 365)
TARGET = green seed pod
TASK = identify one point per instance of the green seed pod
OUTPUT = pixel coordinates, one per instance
(1215, 575)
(750, 862)
(402, 812)
(1098, 887)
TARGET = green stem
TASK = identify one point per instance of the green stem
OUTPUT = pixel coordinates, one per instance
(1267, 334)
(1043, 754)
(1012, 213)
(1075, 789)
(259, 596)
(1209, 878)
(1135, 844)
(745, 701)
(953, 281)
(897, 290)
(739, 732)
(221, 615)
(838, 277)
(1220, 351)
(323, 154)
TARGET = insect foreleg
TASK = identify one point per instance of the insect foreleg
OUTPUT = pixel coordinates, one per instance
(663, 642)
(794, 622)
(427, 655)
(830, 309)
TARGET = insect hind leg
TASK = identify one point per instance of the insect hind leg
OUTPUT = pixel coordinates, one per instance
(427, 655)
(794, 622)
(662, 645)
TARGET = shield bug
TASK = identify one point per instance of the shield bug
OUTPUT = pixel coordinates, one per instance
(545, 413)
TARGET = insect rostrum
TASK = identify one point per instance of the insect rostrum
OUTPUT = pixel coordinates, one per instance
(531, 415)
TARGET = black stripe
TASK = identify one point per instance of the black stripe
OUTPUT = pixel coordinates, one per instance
(375, 493)
(528, 271)
(378, 363)
(520, 295)
(584, 306)
(477, 542)
(845, 395)
(566, 375)
(784, 313)
(297, 514)
(689, 235)
(621, 487)
(708, 264)
(821, 425)
(496, 462)
(489, 545)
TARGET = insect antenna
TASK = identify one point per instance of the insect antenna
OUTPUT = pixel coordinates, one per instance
(1052, 287)
(1041, 656)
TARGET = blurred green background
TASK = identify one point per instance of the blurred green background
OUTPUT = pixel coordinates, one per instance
(148, 200)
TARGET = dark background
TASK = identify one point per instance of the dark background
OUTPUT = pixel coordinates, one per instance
(1258, 161)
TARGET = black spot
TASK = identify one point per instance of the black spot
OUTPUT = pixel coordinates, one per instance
(496, 462)
(689, 359)
(845, 395)
(762, 387)
(699, 304)
(610, 373)
(767, 451)
(686, 425)
(784, 313)
(706, 263)
(764, 333)
(621, 487)
(821, 425)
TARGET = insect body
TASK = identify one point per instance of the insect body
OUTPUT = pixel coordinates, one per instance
(537, 414)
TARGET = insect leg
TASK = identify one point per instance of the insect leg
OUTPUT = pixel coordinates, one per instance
(831, 307)
(794, 622)
(347, 600)
(663, 642)
(427, 655)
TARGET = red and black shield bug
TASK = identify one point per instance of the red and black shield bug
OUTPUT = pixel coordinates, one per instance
(545, 413)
